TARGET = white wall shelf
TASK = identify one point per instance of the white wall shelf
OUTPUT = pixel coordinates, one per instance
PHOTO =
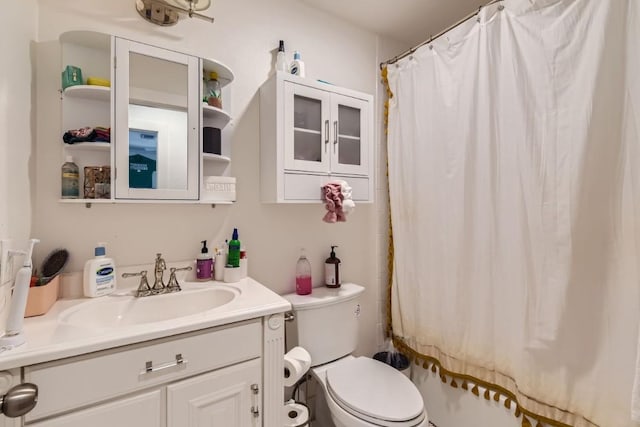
(225, 75)
(217, 117)
(99, 93)
(89, 202)
(215, 158)
(89, 146)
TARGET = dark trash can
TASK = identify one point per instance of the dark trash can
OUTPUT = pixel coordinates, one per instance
(395, 359)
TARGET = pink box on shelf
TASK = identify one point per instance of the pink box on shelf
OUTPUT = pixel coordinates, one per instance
(41, 298)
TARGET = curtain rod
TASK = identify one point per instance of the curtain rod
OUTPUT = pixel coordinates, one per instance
(432, 38)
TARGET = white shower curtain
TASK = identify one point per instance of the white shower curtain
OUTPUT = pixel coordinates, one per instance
(515, 203)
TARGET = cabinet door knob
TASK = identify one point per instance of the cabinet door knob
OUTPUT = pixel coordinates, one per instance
(19, 400)
(255, 411)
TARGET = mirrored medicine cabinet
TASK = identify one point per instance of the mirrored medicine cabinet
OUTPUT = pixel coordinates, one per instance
(147, 104)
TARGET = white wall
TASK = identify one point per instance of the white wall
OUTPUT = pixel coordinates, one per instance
(17, 123)
(16, 119)
(243, 37)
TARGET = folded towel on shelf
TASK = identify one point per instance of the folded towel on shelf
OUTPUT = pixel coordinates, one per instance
(87, 134)
(102, 134)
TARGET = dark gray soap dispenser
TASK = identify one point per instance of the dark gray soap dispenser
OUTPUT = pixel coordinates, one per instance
(332, 270)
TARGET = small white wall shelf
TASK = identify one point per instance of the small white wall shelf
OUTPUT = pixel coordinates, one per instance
(98, 93)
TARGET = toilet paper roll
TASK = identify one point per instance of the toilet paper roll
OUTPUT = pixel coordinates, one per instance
(295, 415)
(296, 363)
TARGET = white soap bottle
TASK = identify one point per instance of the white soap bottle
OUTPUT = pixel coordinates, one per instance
(99, 274)
(297, 66)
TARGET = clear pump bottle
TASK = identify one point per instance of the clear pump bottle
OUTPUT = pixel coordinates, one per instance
(303, 275)
(281, 60)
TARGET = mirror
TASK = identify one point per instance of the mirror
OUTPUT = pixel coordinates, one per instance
(157, 97)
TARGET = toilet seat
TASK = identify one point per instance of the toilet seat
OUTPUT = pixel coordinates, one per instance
(375, 392)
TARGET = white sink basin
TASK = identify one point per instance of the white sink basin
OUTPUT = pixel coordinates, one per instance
(115, 311)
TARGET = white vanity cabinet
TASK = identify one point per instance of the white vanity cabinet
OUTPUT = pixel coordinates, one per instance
(219, 398)
(156, 116)
(212, 377)
(312, 133)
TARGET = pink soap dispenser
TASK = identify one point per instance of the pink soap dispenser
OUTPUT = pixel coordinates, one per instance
(303, 275)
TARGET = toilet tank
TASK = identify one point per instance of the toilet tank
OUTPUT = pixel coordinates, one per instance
(326, 322)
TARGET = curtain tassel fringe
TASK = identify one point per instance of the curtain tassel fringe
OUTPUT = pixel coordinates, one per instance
(518, 412)
(507, 403)
(487, 394)
(496, 397)
(465, 385)
(475, 391)
(454, 384)
(443, 378)
(539, 424)
(434, 369)
(526, 422)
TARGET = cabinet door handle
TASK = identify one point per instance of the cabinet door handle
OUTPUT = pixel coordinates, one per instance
(149, 368)
(335, 135)
(326, 134)
(255, 411)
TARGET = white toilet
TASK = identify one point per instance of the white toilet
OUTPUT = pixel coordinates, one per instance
(360, 392)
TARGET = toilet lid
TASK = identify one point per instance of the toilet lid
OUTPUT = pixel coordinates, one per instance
(374, 389)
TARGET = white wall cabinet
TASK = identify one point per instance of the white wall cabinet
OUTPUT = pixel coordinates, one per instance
(312, 133)
(156, 115)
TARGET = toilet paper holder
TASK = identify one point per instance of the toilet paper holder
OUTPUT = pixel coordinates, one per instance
(297, 362)
(296, 414)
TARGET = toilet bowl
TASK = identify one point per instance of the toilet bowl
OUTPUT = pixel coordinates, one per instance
(362, 392)
(359, 391)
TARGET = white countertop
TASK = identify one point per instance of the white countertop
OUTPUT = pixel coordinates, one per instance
(49, 339)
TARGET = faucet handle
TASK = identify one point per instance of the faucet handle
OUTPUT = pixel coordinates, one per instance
(143, 288)
(173, 285)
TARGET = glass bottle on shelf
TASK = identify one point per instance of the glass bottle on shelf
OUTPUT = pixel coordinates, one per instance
(70, 179)
(213, 91)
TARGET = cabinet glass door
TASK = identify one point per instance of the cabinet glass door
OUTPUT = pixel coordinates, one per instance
(350, 143)
(157, 97)
(306, 139)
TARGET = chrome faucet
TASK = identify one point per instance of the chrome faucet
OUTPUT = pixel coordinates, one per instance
(143, 288)
(173, 285)
(158, 282)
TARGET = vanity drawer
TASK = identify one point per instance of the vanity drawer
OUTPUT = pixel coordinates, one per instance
(71, 383)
